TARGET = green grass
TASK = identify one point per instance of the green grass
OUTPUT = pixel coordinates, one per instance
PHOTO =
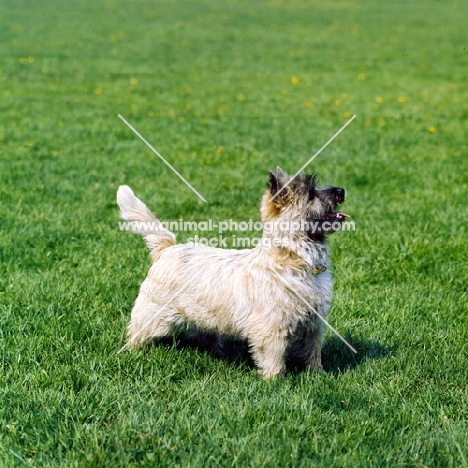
(209, 84)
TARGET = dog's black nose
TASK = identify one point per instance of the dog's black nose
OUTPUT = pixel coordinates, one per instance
(340, 194)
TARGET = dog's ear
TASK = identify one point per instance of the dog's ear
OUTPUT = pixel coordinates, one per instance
(273, 183)
(311, 182)
(280, 172)
(277, 180)
(272, 201)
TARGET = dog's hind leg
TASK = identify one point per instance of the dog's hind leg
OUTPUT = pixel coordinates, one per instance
(149, 321)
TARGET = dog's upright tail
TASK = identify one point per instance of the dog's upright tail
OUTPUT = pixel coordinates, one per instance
(141, 221)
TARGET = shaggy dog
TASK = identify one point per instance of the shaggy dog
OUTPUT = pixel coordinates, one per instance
(271, 295)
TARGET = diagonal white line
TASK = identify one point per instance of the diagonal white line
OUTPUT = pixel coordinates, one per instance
(148, 323)
(162, 159)
(315, 312)
(313, 157)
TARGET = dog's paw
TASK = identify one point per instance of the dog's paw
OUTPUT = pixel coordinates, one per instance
(315, 366)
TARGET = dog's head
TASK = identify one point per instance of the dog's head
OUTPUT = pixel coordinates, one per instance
(297, 198)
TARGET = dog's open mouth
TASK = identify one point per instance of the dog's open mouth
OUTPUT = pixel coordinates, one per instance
(331, 222)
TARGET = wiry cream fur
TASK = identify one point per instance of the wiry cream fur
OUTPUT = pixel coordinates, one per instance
(251, 294)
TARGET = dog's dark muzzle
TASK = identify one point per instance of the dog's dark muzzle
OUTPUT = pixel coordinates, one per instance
(339, 195)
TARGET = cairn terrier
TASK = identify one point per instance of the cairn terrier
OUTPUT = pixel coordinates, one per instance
(270, 295)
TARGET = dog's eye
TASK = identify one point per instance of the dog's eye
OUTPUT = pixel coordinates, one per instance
(311, 194)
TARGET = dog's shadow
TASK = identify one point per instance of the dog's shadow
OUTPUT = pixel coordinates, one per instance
(336, 356)
(231, 350)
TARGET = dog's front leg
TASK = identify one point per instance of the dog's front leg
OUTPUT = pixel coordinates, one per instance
(308, 344)
(313, 344)
(269, 355)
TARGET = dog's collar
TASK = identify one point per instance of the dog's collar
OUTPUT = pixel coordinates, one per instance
(318, 269)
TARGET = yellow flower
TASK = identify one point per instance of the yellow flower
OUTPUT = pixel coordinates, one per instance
(26, 60)
(188, 106)
(116, 37)
(170, 112)
(180, 119)
(308, 105)
(379, 100)
(361, 76)
(347, 114)
(98, 91)
(220, 149)
(401, 99)
(241, 97)
(337, 102)
(150, 114)
(382, 123)
(222, 110)
(133, 81)
(432, 129)
(295, 80)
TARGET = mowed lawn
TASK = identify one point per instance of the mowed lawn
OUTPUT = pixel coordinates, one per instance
(226, 91)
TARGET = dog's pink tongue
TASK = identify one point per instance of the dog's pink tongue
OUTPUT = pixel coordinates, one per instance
(339, 215)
